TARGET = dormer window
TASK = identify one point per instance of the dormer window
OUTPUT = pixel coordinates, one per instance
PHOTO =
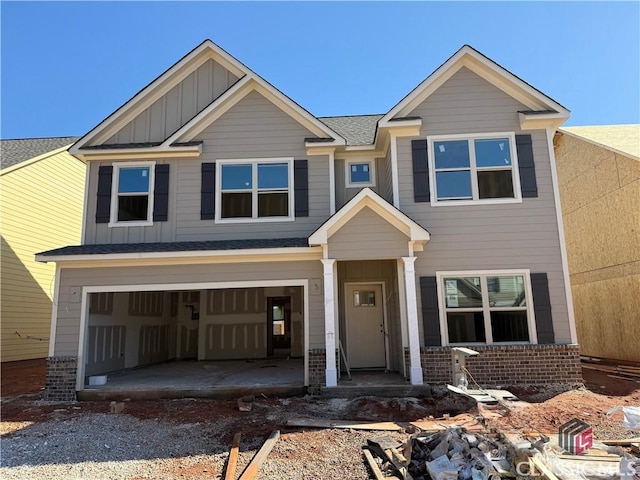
(360, 173)
(255, 190)
(132, 197)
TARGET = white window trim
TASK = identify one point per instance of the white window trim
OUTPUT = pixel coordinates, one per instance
(113, 221)
(253, 161)
(531, 320)
(372, 172)
(515, 172)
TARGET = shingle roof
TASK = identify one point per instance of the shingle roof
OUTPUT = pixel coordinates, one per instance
(103, 249)
(356, 129)
(625, 138)
(13, 152)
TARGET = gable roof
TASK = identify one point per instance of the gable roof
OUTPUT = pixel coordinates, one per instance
(368, 198)
(624, 139)
(486, 68)
(14, 151)
(248, 81)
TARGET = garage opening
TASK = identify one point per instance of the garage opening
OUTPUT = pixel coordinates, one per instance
(234, 336)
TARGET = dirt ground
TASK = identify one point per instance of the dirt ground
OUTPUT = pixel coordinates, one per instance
(22, 405)
(549, 410)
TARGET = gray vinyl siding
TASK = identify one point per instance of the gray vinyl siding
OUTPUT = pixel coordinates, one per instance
(386, 178)
(486, 237)
(382, 186)
(178, 105)
(368, 236)
(254, 128)
(72, 280)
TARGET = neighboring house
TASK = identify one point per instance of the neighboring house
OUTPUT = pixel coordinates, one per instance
(599, 176)
(42, 195)
(224, 221)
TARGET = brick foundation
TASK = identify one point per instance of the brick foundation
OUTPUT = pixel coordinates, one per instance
(60, 384)
(505, 365)
(317, 367)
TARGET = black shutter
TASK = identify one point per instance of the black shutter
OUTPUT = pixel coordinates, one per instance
(526, 166)
(542, 307)
(208, 192)
(103, 203)
(301, 187)
(420, 171)
(430, 312)
(161, 193)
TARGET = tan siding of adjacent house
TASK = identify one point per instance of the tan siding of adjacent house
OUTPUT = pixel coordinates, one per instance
(254, 128)
(41, 209)
(600, 193)
(486, 237)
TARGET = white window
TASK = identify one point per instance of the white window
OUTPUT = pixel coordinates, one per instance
(360, 173)
(254, 190)
(132, 194)
(486, 307)
(472, 169)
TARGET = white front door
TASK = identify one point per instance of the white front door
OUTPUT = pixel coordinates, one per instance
(364, 313)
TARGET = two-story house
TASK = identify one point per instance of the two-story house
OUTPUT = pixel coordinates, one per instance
(224, 221)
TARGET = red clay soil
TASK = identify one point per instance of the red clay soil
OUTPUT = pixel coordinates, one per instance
(23, 377)
(548, 410)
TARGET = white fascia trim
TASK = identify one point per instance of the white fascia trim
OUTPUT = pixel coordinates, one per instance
(33, 160)
(401, 124)
(296, 111)
(156, 89)
(563, 243)
(192, 151)
(212, 112)
(487, 69)
(367, 198)
(239, 256)
(541, 121)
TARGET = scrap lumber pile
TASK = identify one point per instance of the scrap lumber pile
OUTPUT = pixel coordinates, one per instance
(449, 454)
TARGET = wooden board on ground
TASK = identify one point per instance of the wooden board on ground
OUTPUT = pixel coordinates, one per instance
(324, 423)
(254, 466)
(230, 474)
(625, 441)
(372, 464)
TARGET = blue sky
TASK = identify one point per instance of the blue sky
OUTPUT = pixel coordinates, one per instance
(68, 65)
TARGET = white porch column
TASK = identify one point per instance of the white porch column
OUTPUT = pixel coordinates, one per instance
(330, 322)
(412, 320)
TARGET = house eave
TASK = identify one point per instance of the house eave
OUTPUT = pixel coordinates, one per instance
(536, 121)
(161, 151)
(184, 257)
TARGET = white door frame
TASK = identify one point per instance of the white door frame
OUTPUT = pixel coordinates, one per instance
(174, 287)
(384, 318)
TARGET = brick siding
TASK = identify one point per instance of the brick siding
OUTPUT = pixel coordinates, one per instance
(317, 367)
(60, 383)
(505, 365)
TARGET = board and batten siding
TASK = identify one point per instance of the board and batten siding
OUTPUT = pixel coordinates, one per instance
(254, 128)
(41, 209)
(486, 237)
(368, 236)
(73, 279)
(177, 106)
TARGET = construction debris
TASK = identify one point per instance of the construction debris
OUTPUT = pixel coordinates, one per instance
(245, 404)
(116, 407)
(230, 474)
(323, 423)
(254, 467)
